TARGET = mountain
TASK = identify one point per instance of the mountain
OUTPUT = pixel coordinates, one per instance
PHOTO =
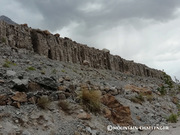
(7, 20)
(55, 86)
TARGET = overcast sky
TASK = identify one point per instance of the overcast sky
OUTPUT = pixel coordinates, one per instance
(146, 31)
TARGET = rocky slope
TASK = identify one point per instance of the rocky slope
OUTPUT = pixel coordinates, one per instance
(39, 94)
(26, 77)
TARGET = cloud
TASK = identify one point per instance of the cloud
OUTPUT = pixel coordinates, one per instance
(59, 13)
(145, 31)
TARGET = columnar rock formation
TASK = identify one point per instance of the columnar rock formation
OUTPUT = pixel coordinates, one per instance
(64, 49)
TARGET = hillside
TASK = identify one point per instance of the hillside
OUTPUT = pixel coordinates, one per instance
(55, 86)
(7, 20)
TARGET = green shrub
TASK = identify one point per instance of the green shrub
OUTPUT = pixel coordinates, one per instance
(31, 68)
(43, 102)
(167, 79)
(63, 71)
(162, 90)
(91, 99)
(178, 88)
(172, 118)
(6, 65)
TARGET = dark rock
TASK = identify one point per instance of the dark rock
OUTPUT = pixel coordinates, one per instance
(47, 83)
(16, 104)
(53, 96)
(20, 85)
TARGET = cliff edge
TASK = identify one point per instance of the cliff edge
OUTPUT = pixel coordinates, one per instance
(64, 49)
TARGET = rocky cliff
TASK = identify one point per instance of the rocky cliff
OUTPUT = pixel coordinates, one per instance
(64, 49)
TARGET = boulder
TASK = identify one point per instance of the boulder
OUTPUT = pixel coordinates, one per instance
(106, 50)
(10, 73)
(20, 85)
(86, 63)
(84, 116)
(47, 82)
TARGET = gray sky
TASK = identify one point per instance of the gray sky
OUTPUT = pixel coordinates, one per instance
(146, 31)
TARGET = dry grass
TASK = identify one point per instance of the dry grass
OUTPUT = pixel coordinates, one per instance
(43, 102)
(138, 99)
(91, 99)
(64, 105)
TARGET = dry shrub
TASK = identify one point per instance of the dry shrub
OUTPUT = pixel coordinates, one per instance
(138, 99)
(25, 25)
(57, 35)
(91, 99)
(43, 102)
(46, 32)
(64, 105)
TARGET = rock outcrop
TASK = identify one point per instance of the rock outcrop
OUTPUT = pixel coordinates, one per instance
(64, 49)
(117, 113)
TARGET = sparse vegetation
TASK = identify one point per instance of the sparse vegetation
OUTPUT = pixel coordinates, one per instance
(149, 98)
(162, 90)
(172, 118)
(138, 99)
(43, 102)
(178, 88)
(64, 105)
(168, 80)
(91, 99)
(31, 68)
(8, 63)
(62, 70)
(54, 71)
(3, 40)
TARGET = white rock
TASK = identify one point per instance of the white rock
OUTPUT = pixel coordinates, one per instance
(10, 73)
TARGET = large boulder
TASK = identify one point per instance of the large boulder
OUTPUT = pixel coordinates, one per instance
(47, 82)
(106, 50)
(20, 84)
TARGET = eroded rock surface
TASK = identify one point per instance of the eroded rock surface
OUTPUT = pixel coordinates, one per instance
(64, 49)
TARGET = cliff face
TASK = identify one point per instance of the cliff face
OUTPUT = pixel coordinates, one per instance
(64, 49)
